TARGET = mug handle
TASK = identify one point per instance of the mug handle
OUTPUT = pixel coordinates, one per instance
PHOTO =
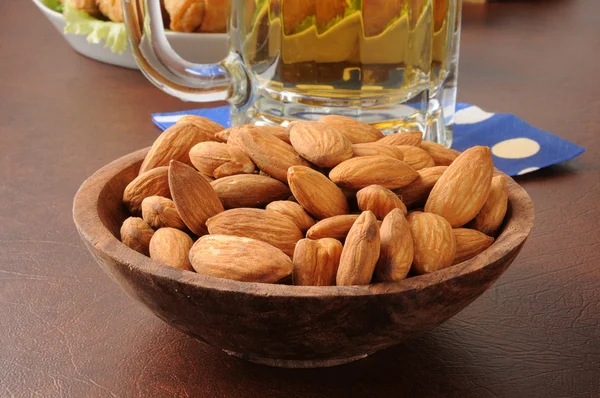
(166, 69)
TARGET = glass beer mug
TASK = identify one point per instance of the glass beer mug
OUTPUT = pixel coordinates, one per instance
(302, 59)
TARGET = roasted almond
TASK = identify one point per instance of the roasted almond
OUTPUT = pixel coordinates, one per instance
(336, 227)
(194, 198)
(174, 144)
(218, 160)
(320, 143)
(397, 248)
(416, 193)
(269, 153)
(136, 234)
(433, 241)
(277, 131)
(360, 252)
(376, 149)
(294, 211)
(379, 200)
(171, 247)
(161, 212)
(357, 173)
(356, 131)
(249, 190)
(490, 217)
(416, 157)
(441, 155)
(268, 226)
(413, 138)
(240, 259)
(203, 123)
(469, 243)
(316, 193)
(316, 262)
(154, 182)
(463, 189)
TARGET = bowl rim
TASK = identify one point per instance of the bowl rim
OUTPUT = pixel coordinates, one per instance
(92, 231)
(168, 33)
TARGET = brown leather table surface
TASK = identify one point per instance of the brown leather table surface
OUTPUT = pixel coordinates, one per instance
(66, 330)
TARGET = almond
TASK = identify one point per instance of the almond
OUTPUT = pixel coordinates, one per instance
(269, 153)
(203, 123)
(379, 200)
(356, 131)
(463, 189)
(154, 182)
(416, 193)
(268, 226)
(320, 144)
(360, 252)
(194, 198)
(294, 211)
(277, 131)
(316, 193)
(249, 190)
(136, 234)
(441, 155)
(416, 157)
(218, 160)
(492, 213)
(397, 249)
(171, 247)
(413, 138)
(336, 227)
(469, 243)
(376, 149)
(316, 262)
(433, 240)
(161, 212)
(175, 144)
(357, 173)
(241, 259)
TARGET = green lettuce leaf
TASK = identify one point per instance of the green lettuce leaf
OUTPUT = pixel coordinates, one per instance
(80, 23)
(54, 5)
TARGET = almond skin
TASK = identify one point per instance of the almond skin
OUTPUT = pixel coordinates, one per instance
(270, 227)
(316, 262)
(463, 189)
(154, 182)
(357, 132)
(379, 200)
(416, 157)
(136, 234)
(293, 211)
(269, 153)
(469, 243)
(277, 131)
(376, 149)
(320, 144)
(336, 227)
(492, 213)
(161, 212)
(241, 259)
(397, 248)
(413, 138)
(249, 190)
(360, 253)
(433, 241)
(171, 247)
(174, 144)
(218, 160)
(203, 123)
(195, 200)
(441, 155)
(416, 193)
(358, 173)
(316, 193)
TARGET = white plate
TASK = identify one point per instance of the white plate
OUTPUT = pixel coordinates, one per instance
(194, 47)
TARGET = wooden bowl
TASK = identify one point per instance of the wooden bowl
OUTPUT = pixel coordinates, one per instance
(280, 325)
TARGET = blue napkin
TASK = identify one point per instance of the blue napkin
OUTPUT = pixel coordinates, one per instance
(517, 147)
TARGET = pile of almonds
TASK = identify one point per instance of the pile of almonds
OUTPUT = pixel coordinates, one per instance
(333, 202)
